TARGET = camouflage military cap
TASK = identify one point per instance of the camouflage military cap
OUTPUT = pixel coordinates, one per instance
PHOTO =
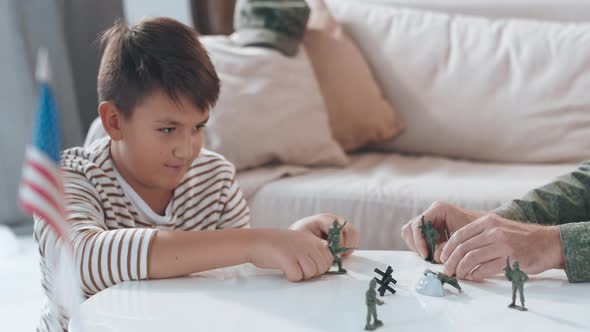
(279, 24)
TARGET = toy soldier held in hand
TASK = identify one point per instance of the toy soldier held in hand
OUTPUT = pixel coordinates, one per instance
(334, 244)
(431, 236)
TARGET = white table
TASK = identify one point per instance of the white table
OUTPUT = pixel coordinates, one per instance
(245, 298)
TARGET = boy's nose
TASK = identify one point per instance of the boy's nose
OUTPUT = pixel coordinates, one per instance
(185, 149)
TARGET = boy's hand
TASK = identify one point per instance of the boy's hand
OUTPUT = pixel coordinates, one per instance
(320, 224)
(300, 255)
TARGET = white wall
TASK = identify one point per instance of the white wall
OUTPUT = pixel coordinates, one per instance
(179, 10)
(24, 27)
(17, 92)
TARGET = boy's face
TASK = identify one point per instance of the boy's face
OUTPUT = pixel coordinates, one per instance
(160, 141)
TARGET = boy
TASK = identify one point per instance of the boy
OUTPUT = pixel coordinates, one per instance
(131, 196)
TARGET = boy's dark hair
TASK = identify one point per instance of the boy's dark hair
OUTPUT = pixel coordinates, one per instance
(156, 53)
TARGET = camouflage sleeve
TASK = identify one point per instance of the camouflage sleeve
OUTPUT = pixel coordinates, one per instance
(564, 202)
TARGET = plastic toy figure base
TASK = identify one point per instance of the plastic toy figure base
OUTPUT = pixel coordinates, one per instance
(517, 307)
(336, 272)
(375, 326)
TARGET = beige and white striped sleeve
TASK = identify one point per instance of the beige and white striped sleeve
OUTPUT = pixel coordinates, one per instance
(235, 213)
(104, 257)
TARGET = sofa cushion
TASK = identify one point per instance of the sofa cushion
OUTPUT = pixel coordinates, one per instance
(500, 90)
(270, 108)
(380, 192)
(359, 113)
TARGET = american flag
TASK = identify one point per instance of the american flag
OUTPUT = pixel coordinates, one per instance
(41, 190)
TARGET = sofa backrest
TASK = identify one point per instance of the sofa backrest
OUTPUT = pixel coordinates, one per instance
(559, 10)
(495, 88)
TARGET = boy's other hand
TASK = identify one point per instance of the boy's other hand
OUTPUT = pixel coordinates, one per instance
(300, 255)
(320, 224)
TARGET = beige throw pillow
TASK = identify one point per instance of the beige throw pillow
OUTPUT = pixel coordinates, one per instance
(270, 109)
(358, 112)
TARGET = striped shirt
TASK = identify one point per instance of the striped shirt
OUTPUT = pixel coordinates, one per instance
(111, 238)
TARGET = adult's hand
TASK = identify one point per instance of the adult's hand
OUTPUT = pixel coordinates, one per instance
(479, 249)
(445, 217)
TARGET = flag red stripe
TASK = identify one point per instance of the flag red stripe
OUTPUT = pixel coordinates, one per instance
(40, 191)
(45, 173)
(30, 208)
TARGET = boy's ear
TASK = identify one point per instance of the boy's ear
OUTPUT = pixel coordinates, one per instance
(111, 118)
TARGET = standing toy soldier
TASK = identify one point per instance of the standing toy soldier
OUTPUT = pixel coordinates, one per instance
(431, 236)
(334, 245)
(518, 279)
(372, 302)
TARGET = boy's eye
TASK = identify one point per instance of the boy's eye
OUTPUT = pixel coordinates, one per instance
(167, 130)
(200, 126)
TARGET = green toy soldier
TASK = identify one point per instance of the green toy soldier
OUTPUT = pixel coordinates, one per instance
(372, 301)
(518, 279)
(333, 244)
(445, 279)
(431, 236)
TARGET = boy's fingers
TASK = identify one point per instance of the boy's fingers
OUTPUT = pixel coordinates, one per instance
(352, 236)
(317, 231)
(325, 222)
(320, 263)
(308, 267)
(346, 234)
(342, 241)
(293, 271)
(326, 254)
(352, 241)
(322, 228)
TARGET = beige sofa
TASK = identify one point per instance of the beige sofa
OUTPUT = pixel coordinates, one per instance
(490, 113)
(381, 191)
